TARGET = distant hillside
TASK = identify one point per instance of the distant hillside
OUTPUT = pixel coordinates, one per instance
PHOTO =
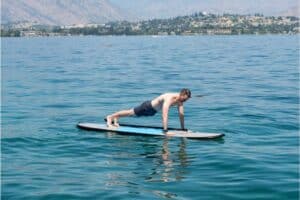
(150, 9)
(60, 12)
(196, 24)
(69, 12)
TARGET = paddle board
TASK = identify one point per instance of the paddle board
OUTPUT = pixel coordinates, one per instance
(151, 131)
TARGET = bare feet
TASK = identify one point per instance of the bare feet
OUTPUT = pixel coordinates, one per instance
(108, 121)
(116, 124)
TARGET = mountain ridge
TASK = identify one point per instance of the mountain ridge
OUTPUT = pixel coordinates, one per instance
(60, 12)
(70, 12)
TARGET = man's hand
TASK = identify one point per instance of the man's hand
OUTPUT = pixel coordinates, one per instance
(169, 133)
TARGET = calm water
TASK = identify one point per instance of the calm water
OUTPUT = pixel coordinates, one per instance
(250, 83)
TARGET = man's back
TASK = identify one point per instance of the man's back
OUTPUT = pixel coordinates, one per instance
(158, 102)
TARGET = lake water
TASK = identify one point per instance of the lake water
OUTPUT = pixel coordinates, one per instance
(251, 88)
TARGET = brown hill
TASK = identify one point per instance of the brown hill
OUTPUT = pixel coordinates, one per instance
(60, 12)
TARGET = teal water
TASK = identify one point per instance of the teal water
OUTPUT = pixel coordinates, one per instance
(251, 88)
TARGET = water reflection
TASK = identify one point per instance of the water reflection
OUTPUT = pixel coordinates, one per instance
(146, 159)
(169, 166)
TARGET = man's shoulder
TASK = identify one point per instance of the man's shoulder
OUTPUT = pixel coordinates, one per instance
(169, 94)
(166, 95)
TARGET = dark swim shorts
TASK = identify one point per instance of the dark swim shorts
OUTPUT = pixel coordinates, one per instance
(145, 109)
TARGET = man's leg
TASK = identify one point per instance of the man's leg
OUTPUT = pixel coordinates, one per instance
(114, 117)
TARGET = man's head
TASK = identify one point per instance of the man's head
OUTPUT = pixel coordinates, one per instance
(184, 95)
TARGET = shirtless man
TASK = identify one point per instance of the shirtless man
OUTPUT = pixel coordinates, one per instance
(150, 108)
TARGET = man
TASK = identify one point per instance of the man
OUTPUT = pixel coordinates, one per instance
(150, 108)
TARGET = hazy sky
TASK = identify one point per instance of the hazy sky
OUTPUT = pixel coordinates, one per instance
(167, 8)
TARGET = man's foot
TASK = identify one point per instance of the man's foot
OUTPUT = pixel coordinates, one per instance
(108, 121)
(116, 124)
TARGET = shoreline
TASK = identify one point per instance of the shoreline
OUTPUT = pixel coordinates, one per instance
(154, 36)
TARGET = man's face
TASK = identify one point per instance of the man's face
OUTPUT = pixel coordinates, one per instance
(183, 98)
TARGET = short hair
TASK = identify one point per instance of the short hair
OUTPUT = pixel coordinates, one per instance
(186, 92)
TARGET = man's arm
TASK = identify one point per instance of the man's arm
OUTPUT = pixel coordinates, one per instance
(165, 113)
(181, 115)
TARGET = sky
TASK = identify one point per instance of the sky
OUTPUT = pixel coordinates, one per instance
(168, 8)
